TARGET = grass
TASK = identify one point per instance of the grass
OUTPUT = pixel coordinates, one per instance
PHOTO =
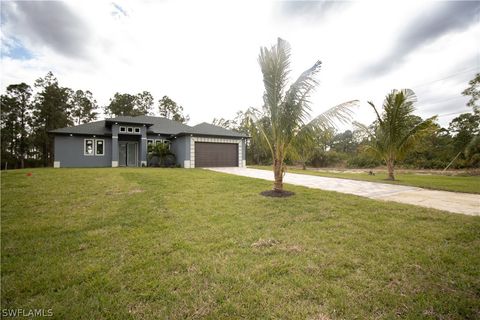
(186, 244)
(467, 184)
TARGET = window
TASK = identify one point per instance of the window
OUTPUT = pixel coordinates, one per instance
(88, 147)
(129, 129)
(167, 143)
(157, 142)
(99, 147)
(123, 129)
(137, 130)
(149, 142)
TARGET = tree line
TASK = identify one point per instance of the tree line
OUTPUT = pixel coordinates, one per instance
(29, 113)
(366, 146)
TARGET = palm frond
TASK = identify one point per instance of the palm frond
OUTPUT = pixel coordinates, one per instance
(252, 114)
(364, 129)
(398, 106)
(379, 118)
(275, 66)
(376, 145)
(373, 151)
(295, 110)
(414, 134)
(303, 145)
(410, 95)
(342, 112)
(297, 103)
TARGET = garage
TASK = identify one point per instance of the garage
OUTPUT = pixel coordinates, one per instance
(209, 154)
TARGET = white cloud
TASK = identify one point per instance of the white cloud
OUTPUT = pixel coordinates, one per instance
(204, 54)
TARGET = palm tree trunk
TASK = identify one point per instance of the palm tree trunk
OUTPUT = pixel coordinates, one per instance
(390, 168)
(278, 174)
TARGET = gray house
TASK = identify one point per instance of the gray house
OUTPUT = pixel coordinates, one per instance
(123, 141)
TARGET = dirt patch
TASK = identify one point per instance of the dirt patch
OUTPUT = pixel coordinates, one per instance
(277, 194)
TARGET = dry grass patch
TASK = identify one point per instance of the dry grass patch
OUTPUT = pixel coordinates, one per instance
(265, 243)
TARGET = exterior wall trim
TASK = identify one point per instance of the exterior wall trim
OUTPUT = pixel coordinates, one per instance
(191, 163)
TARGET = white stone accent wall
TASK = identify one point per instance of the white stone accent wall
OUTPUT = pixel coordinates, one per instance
(56, 164)
(114, 164)
(241, 162)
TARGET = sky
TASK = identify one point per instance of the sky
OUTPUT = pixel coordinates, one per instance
(203, 54)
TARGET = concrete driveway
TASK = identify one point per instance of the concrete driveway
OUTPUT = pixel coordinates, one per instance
(464, 203)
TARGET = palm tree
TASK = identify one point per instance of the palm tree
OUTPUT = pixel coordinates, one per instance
(286, 112)
(396, 130)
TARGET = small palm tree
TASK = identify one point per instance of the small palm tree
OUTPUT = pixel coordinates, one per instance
(285, 111)
(396, 130)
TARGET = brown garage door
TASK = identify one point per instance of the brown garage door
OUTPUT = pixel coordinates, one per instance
(216, 154)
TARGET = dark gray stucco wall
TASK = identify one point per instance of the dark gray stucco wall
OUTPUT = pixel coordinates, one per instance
(181, 149)
(69, 151)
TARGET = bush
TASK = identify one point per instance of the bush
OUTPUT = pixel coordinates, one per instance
(422, 163)
(161, 156)
(328, 159)
(363, 160)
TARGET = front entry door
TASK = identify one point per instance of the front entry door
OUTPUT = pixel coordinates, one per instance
(131, 154)
(127, 154)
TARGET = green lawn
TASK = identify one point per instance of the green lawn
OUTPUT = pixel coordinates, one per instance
(183, 244)
(468, 184)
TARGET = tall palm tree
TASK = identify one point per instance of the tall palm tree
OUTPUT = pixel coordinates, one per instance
(396, 129)
(286, 111)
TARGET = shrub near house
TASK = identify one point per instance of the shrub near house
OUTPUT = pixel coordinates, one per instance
(160, 156)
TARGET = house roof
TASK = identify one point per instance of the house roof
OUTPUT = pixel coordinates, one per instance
(128, 119)
(165, 126)
(210, 129)
(96, 127)
(156, 125)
